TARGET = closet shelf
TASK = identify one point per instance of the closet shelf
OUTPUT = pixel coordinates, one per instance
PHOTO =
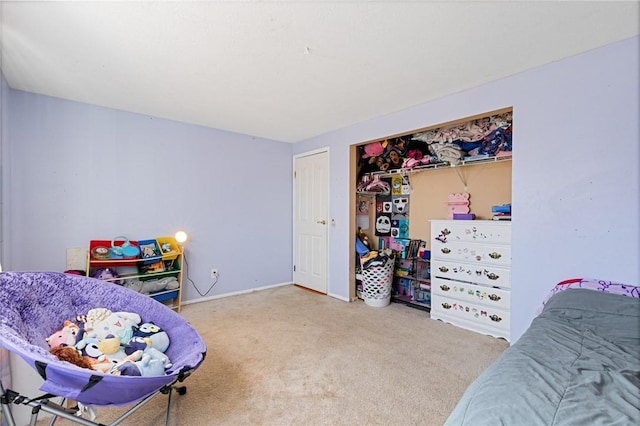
(444, 165)
(372, 193)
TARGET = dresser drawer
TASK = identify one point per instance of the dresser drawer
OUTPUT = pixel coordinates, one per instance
(471, 293)
(475, 273)
(472, 253)
(474, 317)
(479, 231)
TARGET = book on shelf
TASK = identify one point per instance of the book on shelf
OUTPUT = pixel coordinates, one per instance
(502, 216)
(503, 208)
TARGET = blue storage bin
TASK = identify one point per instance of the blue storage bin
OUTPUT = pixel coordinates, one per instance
(149, 251)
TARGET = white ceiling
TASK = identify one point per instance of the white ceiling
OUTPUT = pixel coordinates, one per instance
(289, 70)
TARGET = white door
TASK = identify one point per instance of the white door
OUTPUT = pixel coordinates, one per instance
(311, 222)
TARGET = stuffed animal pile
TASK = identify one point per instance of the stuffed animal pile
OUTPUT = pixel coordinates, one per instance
(118, 343)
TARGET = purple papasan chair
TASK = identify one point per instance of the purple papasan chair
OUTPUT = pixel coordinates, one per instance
(35, 304)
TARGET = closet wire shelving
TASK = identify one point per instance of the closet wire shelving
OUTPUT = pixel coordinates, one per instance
(434, 166)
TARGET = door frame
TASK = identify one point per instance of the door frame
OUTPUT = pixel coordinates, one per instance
(293, 209)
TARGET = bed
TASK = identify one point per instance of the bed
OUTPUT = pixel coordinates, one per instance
(577, 364)
(33, 305)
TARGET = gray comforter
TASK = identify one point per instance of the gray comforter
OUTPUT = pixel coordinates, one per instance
(577, 364)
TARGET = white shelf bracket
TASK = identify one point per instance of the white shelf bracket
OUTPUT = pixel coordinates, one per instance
(457, 169)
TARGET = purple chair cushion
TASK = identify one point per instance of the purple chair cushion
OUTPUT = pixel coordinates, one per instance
(35, 304)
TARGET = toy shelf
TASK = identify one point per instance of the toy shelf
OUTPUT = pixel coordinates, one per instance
(165, 260)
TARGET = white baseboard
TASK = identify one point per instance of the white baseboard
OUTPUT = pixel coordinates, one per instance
(335, 296)
(252, 290)
(235, 293)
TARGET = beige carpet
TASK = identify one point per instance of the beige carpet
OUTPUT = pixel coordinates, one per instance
(288, 356)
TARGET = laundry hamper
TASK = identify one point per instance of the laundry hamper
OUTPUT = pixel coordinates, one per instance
(376, 283)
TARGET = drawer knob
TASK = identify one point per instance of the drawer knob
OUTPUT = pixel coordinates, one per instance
(443, 269)
(495, 255)
(445, 287)
(446, 306)
(494, 297)
(445, 250)
(495, 318)
(492, 276)
(445, 232)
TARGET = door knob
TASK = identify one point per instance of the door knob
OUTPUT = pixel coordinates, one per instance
(322, 222)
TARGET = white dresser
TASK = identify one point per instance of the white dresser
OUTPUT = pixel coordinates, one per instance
(471, 275)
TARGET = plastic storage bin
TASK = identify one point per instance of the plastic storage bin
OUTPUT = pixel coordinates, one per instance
(101, 253)
(169, 247)
(149, 251)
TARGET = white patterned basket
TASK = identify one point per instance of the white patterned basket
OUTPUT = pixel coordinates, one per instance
(376, 284)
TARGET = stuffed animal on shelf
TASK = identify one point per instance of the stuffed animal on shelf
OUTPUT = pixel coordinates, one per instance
(106, 274)
(151, 286)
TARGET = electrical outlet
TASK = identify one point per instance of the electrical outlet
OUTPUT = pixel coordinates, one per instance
(214, 273)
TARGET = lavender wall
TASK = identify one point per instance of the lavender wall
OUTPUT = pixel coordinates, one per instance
(5, 371)
(80, 172)
(4, 89)
(575, 170)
